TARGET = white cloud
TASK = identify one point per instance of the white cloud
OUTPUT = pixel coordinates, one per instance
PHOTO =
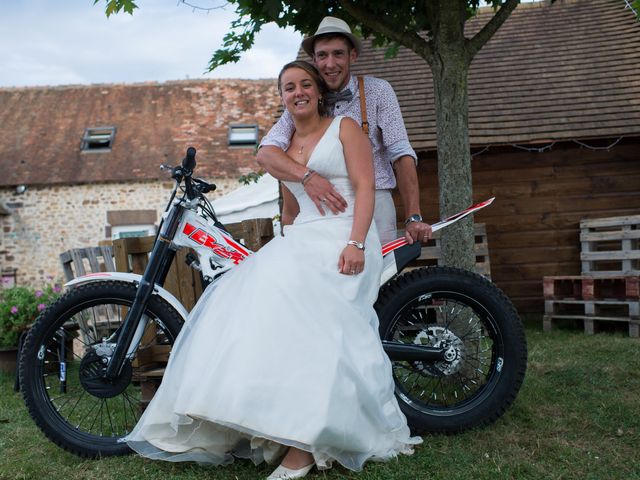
(75, 43)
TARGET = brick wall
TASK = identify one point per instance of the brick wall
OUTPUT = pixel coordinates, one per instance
(45, 221)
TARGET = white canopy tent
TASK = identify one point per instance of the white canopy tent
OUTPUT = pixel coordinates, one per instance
(256, 200)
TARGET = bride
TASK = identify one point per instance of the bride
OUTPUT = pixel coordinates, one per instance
(280, 358)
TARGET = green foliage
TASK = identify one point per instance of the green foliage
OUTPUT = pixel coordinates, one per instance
(19, 307)
(115, 6)
(250, 177)
(375, 20)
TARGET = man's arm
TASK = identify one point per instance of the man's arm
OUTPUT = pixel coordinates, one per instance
(396, 140)
(407, 178)
(273, 158)
(280, 165)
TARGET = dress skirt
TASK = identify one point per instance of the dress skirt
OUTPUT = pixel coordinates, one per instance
(281, 351)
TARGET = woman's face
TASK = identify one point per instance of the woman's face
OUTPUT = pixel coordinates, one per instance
(299, 92)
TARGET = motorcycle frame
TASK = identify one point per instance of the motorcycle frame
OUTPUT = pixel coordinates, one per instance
(187, 222)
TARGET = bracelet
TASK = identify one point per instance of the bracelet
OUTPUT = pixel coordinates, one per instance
(355, 243)
(306, 176)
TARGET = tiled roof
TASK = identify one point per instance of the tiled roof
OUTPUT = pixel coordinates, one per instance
(41, 129)
(570, 70)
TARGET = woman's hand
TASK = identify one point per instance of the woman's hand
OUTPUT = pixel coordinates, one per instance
(351, 260)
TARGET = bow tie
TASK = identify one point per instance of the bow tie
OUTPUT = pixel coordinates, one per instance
(331, 98)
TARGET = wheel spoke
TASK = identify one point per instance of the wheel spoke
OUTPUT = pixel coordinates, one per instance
(95, 404)
(80, 334)
(453, 324)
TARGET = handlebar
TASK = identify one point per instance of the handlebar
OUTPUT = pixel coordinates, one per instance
(189, 162)
(193, 186)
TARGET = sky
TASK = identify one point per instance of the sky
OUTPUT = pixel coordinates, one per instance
(63, 42)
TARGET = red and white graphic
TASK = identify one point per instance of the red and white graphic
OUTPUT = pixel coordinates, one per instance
(400, 242)
(234, 251)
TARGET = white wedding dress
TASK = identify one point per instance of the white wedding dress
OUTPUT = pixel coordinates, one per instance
(284, 350)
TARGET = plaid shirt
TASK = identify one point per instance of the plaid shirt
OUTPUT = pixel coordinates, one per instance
(387, 132)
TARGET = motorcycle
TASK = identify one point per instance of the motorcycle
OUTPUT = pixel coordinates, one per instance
(455, 340)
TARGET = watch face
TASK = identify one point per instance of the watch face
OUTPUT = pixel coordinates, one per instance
(356, 244)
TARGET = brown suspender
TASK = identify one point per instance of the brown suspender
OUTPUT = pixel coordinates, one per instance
(363, 106)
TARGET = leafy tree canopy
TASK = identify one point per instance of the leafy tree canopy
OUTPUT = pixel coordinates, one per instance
(401, 25)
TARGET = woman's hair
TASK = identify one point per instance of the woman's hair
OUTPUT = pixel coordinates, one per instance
(315, 76)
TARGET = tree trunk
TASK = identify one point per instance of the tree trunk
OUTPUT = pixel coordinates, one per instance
(450, 67)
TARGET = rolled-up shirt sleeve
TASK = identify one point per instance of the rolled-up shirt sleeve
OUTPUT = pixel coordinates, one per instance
(390, 122)
(280, 134)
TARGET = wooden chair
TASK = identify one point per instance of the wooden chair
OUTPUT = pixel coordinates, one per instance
(80, 261)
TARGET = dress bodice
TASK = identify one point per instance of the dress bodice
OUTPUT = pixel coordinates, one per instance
(328, 160)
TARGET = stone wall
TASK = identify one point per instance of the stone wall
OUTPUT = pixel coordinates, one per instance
(46, 221)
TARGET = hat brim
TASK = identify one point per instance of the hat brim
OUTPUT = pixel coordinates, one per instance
(307, 43)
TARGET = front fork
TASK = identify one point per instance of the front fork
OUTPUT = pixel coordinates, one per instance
(132, 329)
(160, 260)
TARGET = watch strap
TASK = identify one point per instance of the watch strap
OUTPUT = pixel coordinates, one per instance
(413, 218)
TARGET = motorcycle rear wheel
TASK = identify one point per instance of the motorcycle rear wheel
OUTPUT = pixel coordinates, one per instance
(63, 357)
(481, 333)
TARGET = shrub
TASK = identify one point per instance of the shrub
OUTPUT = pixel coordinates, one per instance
(19, 307)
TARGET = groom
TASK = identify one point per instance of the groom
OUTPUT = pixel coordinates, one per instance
(333, 48)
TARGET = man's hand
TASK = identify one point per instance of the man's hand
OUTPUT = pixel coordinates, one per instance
(417, 232)
(323, 194)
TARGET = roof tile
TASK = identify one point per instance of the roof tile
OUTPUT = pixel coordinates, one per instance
(41, 129)
(563, 71)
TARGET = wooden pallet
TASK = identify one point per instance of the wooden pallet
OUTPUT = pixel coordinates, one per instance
(590, 288)
(590, 323)
(431, 252)
(592, 312)
(610, 246)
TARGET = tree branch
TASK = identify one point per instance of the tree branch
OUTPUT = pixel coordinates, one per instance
(483, 36)
(410, 40)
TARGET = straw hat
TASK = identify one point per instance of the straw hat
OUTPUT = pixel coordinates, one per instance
(332, 25)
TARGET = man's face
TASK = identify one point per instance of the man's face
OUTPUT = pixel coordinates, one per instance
(333, 58)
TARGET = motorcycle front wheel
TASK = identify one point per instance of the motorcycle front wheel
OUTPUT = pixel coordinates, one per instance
(64, 355)
(477, 327)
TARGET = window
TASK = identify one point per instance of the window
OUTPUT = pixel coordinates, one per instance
(98, 139)
(130, 223)
(243, 135)
(127, 231)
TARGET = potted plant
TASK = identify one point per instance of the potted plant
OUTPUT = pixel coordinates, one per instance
(19, 307)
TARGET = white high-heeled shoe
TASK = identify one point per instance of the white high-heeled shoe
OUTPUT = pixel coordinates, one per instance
(284, 473)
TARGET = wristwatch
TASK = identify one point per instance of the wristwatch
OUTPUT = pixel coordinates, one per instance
(413, 218)
(358, 245)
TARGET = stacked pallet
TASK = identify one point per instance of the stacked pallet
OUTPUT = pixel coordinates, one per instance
(431, 252)
(609, 288)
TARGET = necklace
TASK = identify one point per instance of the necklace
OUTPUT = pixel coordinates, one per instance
(309, 137)
(301, 147)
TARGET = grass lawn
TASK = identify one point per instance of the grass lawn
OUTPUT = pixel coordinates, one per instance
(577, 417)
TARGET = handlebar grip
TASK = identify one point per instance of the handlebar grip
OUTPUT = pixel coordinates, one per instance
(189, 162)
